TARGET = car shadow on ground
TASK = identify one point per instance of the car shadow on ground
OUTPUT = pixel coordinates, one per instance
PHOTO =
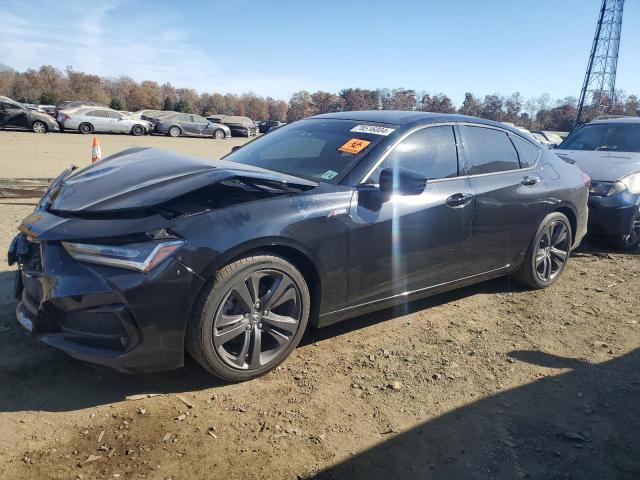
(581, 424)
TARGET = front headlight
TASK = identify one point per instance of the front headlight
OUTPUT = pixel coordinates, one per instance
(632, 182)
(136, 256)
(606, 189)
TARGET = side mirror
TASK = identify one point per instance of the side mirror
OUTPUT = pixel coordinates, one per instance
(237, 147)
(401, 181)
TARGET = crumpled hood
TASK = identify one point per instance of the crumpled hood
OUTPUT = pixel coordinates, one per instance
(603, 166)
(140, 178)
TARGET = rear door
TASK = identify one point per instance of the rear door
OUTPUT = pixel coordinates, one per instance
(412, 242)
(510, 198)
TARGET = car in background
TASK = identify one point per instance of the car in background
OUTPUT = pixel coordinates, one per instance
(554, 138)
(240, 126)
(16, 115)
(609, 152)
(267, 126)
(177, 124)
(542, 139)
(102, 119)
(322, 220)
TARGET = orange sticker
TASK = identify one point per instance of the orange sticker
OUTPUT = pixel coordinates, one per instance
(355, 145)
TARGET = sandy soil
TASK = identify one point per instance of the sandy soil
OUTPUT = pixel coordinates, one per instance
(490, 381)
(28, 155)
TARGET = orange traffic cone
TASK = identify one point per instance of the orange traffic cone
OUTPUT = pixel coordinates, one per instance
(96, 152)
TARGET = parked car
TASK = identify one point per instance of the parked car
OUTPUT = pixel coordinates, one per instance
(267, 126)
(321, 220)
(102, 119)
(609, 152)
(553, 137)
(177, 124)
(240, 126)
(15, 115)
(542, 139)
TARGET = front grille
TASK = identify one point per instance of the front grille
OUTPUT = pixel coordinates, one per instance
(30, 256)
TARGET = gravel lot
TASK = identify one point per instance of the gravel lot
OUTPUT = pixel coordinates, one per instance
(491, 381)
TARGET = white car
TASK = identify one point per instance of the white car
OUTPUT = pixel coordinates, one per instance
(101, 119)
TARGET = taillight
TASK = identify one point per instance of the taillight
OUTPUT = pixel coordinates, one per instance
(586, 179)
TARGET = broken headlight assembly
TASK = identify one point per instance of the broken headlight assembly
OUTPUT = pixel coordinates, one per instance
(632, 183)
(141, 257)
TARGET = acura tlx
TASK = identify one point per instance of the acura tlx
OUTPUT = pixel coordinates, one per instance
(141, 257)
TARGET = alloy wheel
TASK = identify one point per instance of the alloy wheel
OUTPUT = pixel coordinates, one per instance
(553, 250)
(257, 320)
(39, 127)
(634, 235)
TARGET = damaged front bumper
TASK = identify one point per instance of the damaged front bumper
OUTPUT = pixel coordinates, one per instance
(126, 320)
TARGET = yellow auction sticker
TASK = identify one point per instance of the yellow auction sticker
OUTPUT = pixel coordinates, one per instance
(355, 145)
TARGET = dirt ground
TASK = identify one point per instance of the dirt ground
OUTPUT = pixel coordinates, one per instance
(491, 381)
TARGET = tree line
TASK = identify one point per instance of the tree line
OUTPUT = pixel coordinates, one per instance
(48, 85)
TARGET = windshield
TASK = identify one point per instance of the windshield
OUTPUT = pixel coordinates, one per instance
(318, 149)
(618, 137)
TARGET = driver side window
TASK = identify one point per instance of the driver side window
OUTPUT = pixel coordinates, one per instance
(431, 152)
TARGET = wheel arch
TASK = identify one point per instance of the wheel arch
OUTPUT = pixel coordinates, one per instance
(299, 256)
(569, 211)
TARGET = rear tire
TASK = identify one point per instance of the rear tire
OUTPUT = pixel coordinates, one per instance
(548, 253)
(226, 326)
(85, 128)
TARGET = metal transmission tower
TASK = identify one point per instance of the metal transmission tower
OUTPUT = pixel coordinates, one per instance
(598, 90)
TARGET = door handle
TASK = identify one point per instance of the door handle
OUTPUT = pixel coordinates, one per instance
(459, 199)
(529, 181)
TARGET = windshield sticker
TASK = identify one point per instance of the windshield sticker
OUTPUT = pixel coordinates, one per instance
(355, 145)
(374, 129)
(329, 174)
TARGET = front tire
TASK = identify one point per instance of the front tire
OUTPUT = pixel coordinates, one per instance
(38, 127)
(137, 130)
(174, 132)
(548, 253)
(218, 134)
(250, 318)
(630, 241)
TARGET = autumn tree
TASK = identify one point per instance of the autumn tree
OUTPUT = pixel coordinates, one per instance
(492, 107)
(300, 106)
(325, 102)
(471, 105)
(436, 103)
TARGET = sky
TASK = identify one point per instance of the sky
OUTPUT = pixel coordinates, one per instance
(275, 48)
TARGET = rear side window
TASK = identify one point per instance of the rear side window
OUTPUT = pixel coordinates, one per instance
(528, 153)
(97, 113)
(185, 118)
(488, 150)
(430, 152)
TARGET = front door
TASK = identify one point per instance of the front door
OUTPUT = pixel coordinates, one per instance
(508, 195)
(408, 243)
(15, 116)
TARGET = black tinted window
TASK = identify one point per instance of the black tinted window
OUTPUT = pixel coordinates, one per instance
(528, 153)
(620, 137)
(430, 152)
(488, 150)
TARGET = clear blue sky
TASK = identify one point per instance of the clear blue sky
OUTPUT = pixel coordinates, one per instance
(278, 47)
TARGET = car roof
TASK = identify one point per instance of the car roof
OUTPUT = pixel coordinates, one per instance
(409, 118)
(617, 120)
